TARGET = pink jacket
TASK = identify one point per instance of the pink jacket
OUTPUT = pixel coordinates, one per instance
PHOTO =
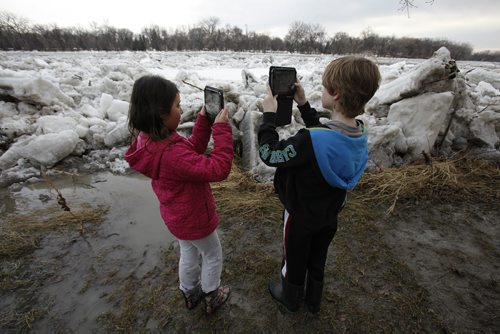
(181, 172)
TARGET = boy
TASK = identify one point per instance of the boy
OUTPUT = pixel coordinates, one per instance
(315, 169)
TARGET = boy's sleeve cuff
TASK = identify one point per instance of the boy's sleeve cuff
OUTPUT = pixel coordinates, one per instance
(269, 117)
(305, 107)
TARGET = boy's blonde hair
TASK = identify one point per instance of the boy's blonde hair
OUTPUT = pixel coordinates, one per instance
(355, 79)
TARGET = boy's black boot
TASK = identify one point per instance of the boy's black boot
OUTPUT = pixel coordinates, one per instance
(314, 292)
(287, 294)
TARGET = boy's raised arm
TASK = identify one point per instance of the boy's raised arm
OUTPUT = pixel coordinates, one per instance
(309, 115)
(281, 153)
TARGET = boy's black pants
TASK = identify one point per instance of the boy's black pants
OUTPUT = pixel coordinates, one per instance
(305, 250)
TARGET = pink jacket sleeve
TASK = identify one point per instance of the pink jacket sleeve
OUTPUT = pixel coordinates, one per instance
(201, 134)
(190, 166)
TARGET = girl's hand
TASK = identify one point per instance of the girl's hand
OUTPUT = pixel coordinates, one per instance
(269, 104)
(300, 94)
(202, 111)
(222, 116)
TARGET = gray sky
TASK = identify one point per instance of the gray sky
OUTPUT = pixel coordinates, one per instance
(475, 22)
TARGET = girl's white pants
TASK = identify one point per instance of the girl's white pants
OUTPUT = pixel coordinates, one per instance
(200, 263)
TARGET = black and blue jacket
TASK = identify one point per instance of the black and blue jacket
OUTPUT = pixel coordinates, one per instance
(315, 167)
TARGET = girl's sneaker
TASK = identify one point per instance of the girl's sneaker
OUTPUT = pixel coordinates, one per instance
(215, 299)
(193, 297)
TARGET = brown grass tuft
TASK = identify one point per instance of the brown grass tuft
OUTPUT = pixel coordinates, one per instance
(21, 232)
(460, 179)
(241, 196)
(15, 244)
(52, 218)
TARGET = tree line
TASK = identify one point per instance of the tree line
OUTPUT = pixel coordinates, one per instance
(19, 34)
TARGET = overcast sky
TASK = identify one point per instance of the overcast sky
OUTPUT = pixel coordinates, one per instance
(476, 22)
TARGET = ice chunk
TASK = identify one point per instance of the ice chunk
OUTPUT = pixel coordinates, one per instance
(45, 150)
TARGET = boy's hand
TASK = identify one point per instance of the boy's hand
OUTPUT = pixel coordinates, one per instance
(269, 104)
(300, 94)
(222, 116)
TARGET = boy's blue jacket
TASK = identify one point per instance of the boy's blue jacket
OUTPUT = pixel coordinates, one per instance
(315, 167)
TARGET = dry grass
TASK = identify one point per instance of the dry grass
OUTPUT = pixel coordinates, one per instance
(460, 179)
(242, 197)
(15, 244)
(21, 320)
(21, 232)
(53, 219)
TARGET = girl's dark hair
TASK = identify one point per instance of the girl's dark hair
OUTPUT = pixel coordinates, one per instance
(152, 98)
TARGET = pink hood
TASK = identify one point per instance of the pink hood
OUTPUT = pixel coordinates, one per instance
(146, 160)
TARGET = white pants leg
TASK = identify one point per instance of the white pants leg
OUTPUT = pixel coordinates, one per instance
(189, 266)
(210, 250)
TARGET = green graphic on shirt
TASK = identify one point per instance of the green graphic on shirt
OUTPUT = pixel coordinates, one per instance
(277, 156)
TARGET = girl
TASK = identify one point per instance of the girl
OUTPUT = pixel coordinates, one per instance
(180, 173)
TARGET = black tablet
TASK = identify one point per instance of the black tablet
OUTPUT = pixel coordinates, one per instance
(214, 102)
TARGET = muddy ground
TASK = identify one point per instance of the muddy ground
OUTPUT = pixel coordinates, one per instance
(429, 266)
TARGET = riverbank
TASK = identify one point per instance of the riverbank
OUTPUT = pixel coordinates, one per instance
(416, 251)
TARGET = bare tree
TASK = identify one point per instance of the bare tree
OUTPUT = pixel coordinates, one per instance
(407, 4)
(209, 25)
(210, 31)
(304, 37)
(12, 22)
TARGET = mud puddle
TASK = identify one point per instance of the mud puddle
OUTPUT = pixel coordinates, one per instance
(80, 271)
